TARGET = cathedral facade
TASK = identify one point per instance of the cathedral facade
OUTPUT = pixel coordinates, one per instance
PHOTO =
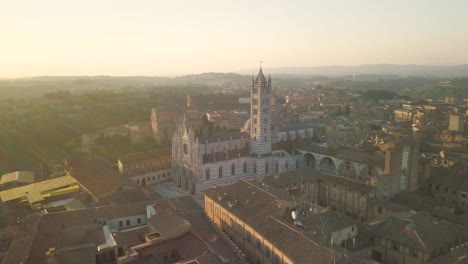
(199, 163)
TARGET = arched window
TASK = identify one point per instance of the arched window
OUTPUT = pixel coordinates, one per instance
(220, 171)
(207, 173)
(245, 167)
(233, 169)
(267, 167)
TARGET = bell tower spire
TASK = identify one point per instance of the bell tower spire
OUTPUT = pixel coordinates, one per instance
(260, 134)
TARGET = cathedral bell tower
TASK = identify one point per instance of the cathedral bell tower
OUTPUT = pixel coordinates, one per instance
(260, 113)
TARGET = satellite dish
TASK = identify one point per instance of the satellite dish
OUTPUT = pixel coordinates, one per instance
(294, 215)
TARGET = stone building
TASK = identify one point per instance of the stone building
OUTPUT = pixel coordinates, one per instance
(230, 120)
(397, 167)
(164, 120)
(403, 115)
(261, 115)
(449, 186)
(147, 168)
(255, 221)
(100, 183)
(348, 180)
(450, 136)
(162, 124)
(141, 232)
(314, 188)
(414, 237)
(457, 123)
(199, 162)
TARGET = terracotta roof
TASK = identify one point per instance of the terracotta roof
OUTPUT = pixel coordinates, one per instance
(151, 154)
(61, 230)
(259, 209)
(187, 208)
(309, 174)
(419, 230)
(21, 245)
(299, 127)
(98, 177)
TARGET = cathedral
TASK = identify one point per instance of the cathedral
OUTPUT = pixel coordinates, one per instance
(202, 162)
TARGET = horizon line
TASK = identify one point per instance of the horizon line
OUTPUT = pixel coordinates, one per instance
(240, 72)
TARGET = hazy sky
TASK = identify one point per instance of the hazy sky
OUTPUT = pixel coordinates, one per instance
(94, 37)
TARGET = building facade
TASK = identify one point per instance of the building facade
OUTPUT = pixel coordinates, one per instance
(403, 115)
(204, 161)
(414, 237)
(261, 115)
(147, 168)
(457, 123)
(313, 188)
(252, 218)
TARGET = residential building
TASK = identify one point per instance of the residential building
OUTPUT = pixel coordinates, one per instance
(244, 100)
(141, 232)
(449, 186)
(255, 221)
(147, 168)
(414, 237)
(164, 120)
(314, 188)
(230, 120)
(403, 115)
(457, 123)
(16, 179)
(101, 183)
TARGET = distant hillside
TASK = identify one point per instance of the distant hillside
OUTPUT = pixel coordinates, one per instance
(409, 84)
(211, 79)
(37, 86)
(375, 69)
